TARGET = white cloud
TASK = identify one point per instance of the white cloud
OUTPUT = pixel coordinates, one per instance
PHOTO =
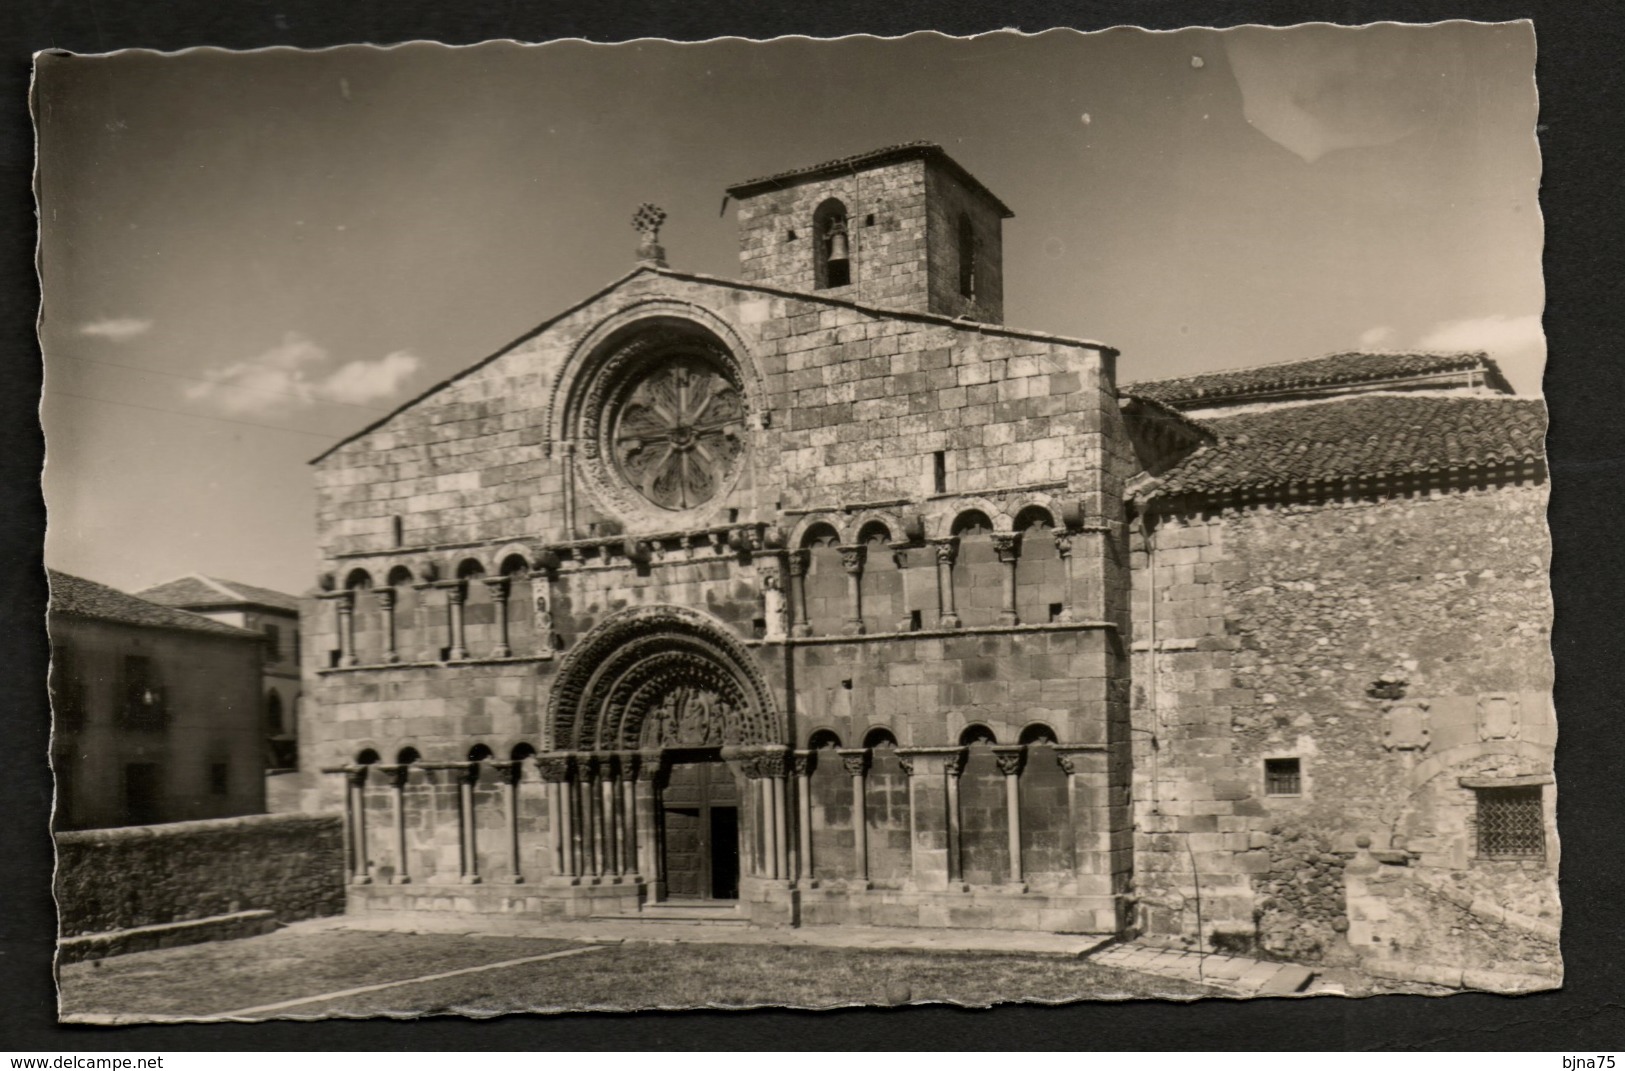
(1380, 337)
(289, 376)
(366, 381)
(1516, 343)
(116, 329)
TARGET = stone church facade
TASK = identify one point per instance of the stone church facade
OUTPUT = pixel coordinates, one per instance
(821, 596)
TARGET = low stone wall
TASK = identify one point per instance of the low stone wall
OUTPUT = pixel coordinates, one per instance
(117, 879)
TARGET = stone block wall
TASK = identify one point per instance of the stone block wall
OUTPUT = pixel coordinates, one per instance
(902, 222)
(1394, 648)
(116, 879)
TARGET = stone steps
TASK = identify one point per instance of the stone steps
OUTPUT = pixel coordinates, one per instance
(711, 913)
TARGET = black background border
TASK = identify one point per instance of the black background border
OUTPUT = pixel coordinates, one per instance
(1580, 81)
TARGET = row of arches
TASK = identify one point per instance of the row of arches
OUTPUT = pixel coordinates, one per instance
(472, 614)
(976, 576)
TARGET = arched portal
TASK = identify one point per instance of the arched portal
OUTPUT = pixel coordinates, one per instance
(666, 696)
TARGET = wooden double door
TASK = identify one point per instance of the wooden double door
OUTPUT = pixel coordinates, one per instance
(699, 815)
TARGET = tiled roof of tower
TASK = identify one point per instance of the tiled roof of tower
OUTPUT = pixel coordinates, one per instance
(206, 592)
(1326, 371)
(909, 150)
(73, 596)
(1361, 435)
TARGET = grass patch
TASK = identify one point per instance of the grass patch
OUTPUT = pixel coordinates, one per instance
(204, 980)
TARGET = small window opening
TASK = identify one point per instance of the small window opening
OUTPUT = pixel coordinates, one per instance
(758, 627)
(869, 220)
(219, 778)
(733, 516)
(273, 643)
(832, 263)
(1510, 824)
(914, 621)
(1283, 777)
(847, 683)
(939, 472)
(967, 257)
(790, 235)
(1055, 611)
(397, 530)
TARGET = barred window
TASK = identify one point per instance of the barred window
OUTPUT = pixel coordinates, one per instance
(1510, 825)
(1283, 777)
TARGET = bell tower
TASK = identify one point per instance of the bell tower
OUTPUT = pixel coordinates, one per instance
(904, 227)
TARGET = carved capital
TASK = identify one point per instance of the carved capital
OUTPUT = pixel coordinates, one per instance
(651, 763)
(1008, 545)
(456, 592)
(1071, 758)
(773, 762)
(954, 764)
(386, 598)
(852, 558)
(798, 560)
(1063, 542)
(802, 763)
(1010, 759)
(947, 550)
(772, 580)
(498, 586)
(856, 760)
(906, 761)
(899, 554)
(356, 775)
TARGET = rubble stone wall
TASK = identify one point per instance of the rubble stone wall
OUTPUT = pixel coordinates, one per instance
(1393, 648)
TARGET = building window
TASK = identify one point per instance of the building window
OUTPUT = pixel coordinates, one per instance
(143, 792)
(939, 472)
(967, 257)
(273, 643)
(219, 778)
(143, 701)
(832, 246)
(1510, 825)
(1283, 777)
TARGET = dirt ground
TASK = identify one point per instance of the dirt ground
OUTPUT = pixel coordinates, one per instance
(279, 974)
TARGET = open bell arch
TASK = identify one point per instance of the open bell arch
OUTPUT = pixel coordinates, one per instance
(660, 676)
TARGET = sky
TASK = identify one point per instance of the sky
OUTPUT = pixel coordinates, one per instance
(247, 256)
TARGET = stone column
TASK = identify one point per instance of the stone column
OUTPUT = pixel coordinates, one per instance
(856, 761)
(952, 767)
(357, 784)
(774, 765)
(1008, 546)
(629, 834)
(852, 562)
(1010, 759)
(772, 597)
(498, 586)
(1063, 548)
(513, 772)
(398, 779)
(946, 551)
(386, 623)
(555, 771)
(802, 762)
(798, 560)
(456, 593)
(1089, 814)
(609, 791)
(470, 847)
(649, 767)
(592, 831)
(344, 604)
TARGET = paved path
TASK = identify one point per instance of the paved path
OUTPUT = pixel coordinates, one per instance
(617, 931)
(1235, 974)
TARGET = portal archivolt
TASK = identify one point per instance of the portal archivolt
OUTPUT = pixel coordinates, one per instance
(660, 677)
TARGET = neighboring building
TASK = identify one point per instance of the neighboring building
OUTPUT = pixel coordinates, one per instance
(261, 610)
(155, 711)
(815, 592)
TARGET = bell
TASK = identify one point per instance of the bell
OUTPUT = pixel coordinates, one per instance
(837, 246)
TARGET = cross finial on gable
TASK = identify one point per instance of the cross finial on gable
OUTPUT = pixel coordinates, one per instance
(646, 221)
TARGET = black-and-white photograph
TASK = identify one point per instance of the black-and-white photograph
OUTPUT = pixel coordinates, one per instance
(797, 523)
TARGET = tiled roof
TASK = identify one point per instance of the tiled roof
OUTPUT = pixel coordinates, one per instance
(198, 592)
(1361, 435)
(73, 596)
(1328, 371)
(908, 150)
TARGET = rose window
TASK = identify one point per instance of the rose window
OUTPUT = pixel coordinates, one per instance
(675, 436)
